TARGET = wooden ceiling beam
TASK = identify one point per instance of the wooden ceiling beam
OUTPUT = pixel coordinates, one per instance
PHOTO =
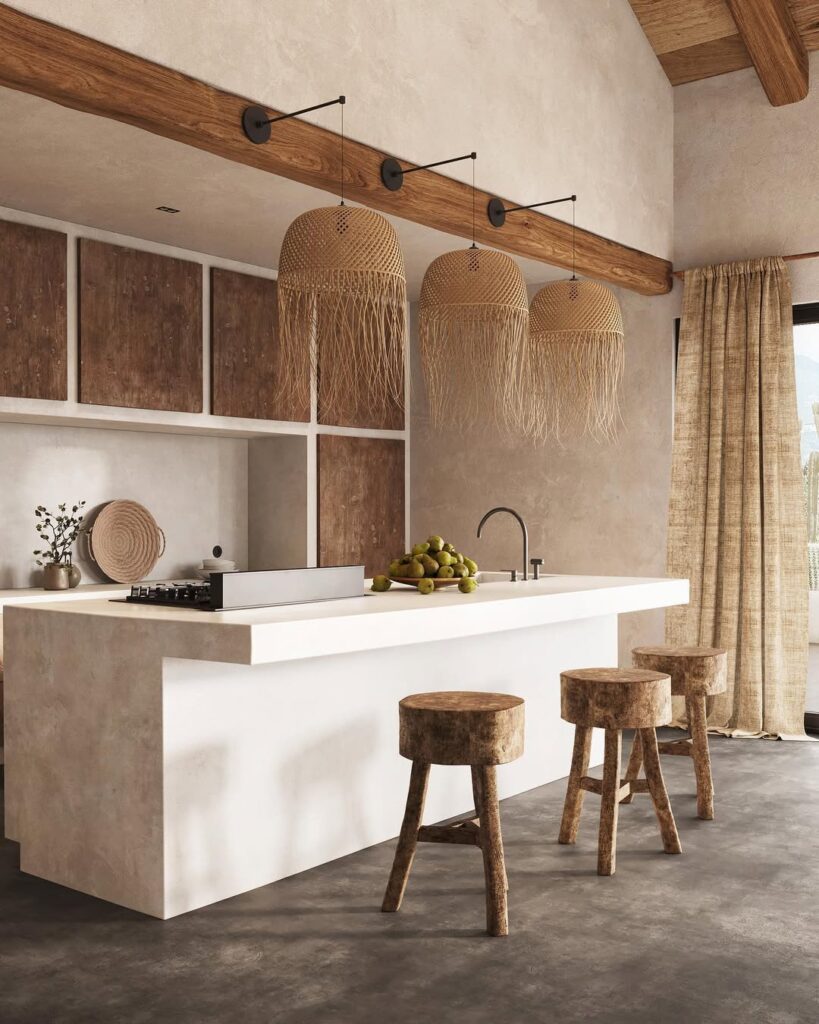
(680, 24)
(776, 48)
(70, 69)
(705, 60)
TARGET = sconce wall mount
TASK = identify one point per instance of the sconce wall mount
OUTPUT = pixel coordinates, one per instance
(496, 211)
(256, 123)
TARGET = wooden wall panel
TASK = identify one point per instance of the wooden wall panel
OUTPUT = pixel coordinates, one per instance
(33, 344)
(244, 341)
(361, 501)
(140, 329)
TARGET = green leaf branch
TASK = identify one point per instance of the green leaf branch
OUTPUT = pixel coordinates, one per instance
(57, 531)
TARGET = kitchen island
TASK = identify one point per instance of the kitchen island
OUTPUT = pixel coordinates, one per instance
(165, 758)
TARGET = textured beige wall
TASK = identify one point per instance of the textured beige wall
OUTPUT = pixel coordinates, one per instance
(195, 487)
(745, 180)
(277, 502)
(556, 96)
(591, 509)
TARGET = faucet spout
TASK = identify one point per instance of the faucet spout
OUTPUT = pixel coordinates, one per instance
(524, 531)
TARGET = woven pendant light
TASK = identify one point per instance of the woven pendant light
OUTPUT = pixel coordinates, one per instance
(342, 308)
(472, 317)
(574, 360)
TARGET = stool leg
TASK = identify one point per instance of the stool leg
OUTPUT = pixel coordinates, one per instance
(494, 869)
(697, 726)
(656, 786)
(574, 794)
(407, 838)
(635, 761)
(609, 803)
(478, 798)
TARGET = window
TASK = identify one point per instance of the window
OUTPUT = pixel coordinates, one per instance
(806, 357)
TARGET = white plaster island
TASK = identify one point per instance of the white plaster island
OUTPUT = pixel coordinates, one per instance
(164, 759)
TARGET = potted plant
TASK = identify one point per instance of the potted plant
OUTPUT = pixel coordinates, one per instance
(58, 531)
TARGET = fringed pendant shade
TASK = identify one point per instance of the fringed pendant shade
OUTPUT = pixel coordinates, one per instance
(472, 317)
(574, 361)
(342, 308)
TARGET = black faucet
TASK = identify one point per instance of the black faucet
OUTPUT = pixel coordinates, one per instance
(519, 517)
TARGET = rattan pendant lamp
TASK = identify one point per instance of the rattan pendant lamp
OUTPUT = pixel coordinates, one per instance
(472, 322)
(575, 358)
(342, 295)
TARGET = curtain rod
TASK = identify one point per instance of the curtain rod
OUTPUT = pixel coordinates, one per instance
(795, 256)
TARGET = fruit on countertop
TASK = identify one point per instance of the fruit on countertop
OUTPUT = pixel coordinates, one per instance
(381, 583)
(431, 560)
(467, 585)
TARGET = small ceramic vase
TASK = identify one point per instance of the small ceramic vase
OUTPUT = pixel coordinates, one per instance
(74, 575)
(56, 576)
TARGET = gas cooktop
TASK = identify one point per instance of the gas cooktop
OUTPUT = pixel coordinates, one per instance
(264, 588)
(180, 595)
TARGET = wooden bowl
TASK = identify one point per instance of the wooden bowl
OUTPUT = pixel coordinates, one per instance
(410, 581)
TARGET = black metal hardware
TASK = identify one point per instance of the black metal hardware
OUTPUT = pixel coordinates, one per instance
(496, 211)
(392, 173)
(536, 564)
(257, 124)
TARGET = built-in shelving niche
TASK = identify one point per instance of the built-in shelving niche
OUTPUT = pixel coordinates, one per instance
(283, 478)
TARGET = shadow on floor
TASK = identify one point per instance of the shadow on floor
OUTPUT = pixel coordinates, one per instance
(723, 934)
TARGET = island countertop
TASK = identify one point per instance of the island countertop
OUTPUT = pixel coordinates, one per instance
(166, 758)
(374, 620)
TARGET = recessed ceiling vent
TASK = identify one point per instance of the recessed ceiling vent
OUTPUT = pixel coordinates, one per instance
(168, 209)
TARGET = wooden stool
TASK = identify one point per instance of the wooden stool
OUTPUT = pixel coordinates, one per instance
(696, 674)
(477, 729)
(615, 699)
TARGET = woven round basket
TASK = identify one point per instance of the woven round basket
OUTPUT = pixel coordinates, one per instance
(125, 541)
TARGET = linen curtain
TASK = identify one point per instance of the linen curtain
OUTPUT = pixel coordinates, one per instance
(737, 512)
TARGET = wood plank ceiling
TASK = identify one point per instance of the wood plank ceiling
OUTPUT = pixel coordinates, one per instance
(696, 39)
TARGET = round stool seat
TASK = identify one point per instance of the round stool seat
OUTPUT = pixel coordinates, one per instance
(615, 698)
(461, 727)
(694, 671)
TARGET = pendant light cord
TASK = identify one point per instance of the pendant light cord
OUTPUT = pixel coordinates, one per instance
(574, 275)
(342, 155)
(474, 243)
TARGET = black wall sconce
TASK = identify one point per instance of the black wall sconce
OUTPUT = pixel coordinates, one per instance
(257, 124)
(496, 211)
(392, 173)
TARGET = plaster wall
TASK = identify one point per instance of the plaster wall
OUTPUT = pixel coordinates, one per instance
(591, 508)
(556, 97)
(195, 487)
(744, 176)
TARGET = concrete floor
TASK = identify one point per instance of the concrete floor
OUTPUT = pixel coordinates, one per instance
(726, 933)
